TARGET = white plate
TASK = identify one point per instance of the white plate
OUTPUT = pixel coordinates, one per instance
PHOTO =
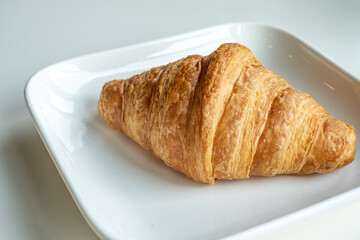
(126, 193)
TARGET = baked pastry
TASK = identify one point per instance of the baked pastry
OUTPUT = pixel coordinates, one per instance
(225, 116)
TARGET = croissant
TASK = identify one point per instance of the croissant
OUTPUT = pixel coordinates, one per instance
(225, 116)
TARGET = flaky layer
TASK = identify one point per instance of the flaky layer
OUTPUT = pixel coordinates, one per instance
(225, 116)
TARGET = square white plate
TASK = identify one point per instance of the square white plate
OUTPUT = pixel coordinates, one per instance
(126, 193)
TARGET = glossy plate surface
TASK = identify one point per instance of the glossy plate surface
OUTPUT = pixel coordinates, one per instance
(126, 193)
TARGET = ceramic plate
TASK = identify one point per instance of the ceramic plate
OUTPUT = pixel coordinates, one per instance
(126, 193)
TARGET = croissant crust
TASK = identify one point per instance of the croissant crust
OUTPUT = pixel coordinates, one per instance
(225, 116)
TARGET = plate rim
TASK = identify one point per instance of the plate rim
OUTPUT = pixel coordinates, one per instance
(290, 218)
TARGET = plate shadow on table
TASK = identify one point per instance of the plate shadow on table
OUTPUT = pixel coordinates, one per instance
(39, 189)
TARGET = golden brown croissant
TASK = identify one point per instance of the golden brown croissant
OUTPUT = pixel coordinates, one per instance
(225, 116)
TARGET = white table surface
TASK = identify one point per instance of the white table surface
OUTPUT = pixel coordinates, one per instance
(34, 202)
